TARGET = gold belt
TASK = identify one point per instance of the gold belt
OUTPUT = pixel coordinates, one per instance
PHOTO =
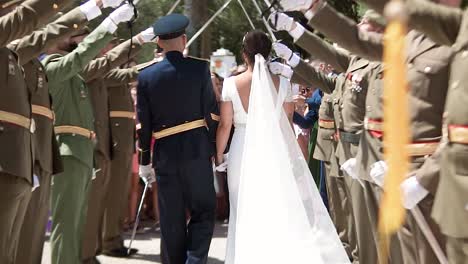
(18, 120)
(122, 114)
(422, 149)
(74, 130)
(329, 124)
(373, 124)
(215, 117)
(179, 129)
(43, 111)
(458, 134)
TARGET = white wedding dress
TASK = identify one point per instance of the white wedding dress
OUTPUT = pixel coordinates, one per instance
(277, 215)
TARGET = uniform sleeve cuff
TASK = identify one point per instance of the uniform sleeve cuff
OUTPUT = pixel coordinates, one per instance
(110, 25)
(315, 9)
(90, 10)
(294, 61)
(297, 32)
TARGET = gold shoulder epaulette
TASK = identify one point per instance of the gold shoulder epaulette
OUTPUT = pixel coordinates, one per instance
(199, 59)
(145, 65)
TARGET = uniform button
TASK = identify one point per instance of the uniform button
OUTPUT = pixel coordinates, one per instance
(455, 84)
(464, 54)
(427, 69)
(75, 26)
(55, 6)
(163, 125)
(73, 134)
(2, 128)
(117, 124)
(426, 156)
(133, 46)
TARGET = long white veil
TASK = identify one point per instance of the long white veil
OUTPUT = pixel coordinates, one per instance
(281, 217)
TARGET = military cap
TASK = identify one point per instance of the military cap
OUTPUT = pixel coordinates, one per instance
(374, 17)
(171, 26)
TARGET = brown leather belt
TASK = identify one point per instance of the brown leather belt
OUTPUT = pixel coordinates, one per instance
(179, 129)
(74, 130)
(458, 134)
(43, 111)
(422, 148)
(328, 124)
(122, 114)
(18, 120)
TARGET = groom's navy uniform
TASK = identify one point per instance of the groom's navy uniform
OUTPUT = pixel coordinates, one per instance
(176, 105)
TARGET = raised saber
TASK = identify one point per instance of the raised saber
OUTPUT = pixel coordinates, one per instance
(200, 31)
(173, 7)
(270, 31)
(246, 14)
(137, 219)
(422, 223)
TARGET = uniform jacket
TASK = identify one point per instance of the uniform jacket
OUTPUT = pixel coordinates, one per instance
(94, 76)
(172, 92)
(120, 99)
(448, 26)
(17, 155)
(71, 98)
(47, 158)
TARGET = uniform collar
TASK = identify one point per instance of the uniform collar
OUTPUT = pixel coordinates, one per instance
(174, 55)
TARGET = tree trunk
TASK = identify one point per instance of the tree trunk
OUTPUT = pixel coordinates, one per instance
(197, 12)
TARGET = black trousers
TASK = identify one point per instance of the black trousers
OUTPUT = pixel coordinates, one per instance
(183, 187)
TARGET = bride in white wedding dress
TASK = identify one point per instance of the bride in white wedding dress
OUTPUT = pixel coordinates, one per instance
(276, 213)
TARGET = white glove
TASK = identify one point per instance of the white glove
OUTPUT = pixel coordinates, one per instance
(296, 5)
(147, 174)
(413, 192)
(286, 53)
(350, 168)
(122, 14)
(223, 166)
(378, 171)
(36, 183)
(278, 68)
(111, 3)
(90, 9)
(147, 35)
(281, 21)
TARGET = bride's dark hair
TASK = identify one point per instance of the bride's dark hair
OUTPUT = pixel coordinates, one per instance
(255, 42)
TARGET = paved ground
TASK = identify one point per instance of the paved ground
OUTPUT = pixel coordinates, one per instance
(148, 246)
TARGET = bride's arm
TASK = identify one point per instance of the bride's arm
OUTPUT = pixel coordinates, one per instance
(224, 130)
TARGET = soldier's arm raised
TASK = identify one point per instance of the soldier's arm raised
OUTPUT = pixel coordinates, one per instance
(33, 45)
(441, 23)
(117, 77)
(344, 31)
(314, 45)
(71, 64)
(315, 78)
(27, 17)
(112, 59)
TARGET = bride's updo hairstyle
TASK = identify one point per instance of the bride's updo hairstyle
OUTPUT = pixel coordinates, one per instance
(255, 42)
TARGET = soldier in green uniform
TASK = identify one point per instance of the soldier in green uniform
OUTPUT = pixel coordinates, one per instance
(428, 69)
(47, 159)
(75, 134)
(16, 123)
(94, 74)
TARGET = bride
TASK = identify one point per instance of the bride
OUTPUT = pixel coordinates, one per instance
(277, 215)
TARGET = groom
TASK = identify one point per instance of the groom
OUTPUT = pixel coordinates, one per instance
(176, 105)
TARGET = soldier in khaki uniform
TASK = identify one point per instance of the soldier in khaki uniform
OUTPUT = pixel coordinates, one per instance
(75, 134)
(94, 76)
(16, 124)
(349, 110)
(428, 68)
(47, 158)
(122, 126)
(447, 26)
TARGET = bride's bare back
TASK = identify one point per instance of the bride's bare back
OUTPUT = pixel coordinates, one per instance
(244, 82)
